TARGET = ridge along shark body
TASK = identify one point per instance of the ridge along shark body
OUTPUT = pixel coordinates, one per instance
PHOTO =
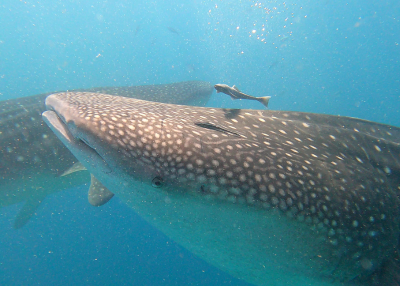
(33, 160)
(271, 197)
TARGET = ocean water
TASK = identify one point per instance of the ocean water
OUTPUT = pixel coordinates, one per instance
(333, 57)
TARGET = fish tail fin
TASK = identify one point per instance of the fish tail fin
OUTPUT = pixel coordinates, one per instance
(264, 100)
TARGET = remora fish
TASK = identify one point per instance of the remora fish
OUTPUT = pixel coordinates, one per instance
(272, 197)
(235, 93)
(32, 159)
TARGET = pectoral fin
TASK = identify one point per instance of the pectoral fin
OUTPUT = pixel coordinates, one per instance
(98, 194)
(27, 211)
(74, 168)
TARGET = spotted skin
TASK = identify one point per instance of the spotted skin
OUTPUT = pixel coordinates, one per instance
(334, 178)
(32, 159)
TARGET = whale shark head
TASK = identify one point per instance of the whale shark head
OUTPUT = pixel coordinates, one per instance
(34, 163)
(306, 194)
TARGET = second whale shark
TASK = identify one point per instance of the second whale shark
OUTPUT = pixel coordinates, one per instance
(33, 161)
(272, 197)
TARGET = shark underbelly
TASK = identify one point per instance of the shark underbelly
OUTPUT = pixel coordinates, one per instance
(258, 246)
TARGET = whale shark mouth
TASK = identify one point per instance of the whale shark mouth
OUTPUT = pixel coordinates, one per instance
(62, 124)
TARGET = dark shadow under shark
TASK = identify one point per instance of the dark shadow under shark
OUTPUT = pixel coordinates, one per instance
(271, 197)
(33, 160)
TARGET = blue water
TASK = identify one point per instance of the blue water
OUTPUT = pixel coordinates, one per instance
(333, 57)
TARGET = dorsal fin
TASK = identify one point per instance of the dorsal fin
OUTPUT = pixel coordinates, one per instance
(235, 88)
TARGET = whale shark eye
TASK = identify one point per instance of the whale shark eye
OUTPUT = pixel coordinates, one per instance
(157, 182)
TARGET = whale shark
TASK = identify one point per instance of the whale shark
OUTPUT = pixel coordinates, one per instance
(34, 163)
(271, 197)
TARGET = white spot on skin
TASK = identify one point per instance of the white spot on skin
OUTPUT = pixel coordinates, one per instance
(235, 191)
(334, 242)
(372, 233)
(263, 197)
(210, 172)
(201, 179)
(378, 148)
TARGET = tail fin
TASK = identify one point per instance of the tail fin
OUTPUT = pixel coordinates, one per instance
(264, 100)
